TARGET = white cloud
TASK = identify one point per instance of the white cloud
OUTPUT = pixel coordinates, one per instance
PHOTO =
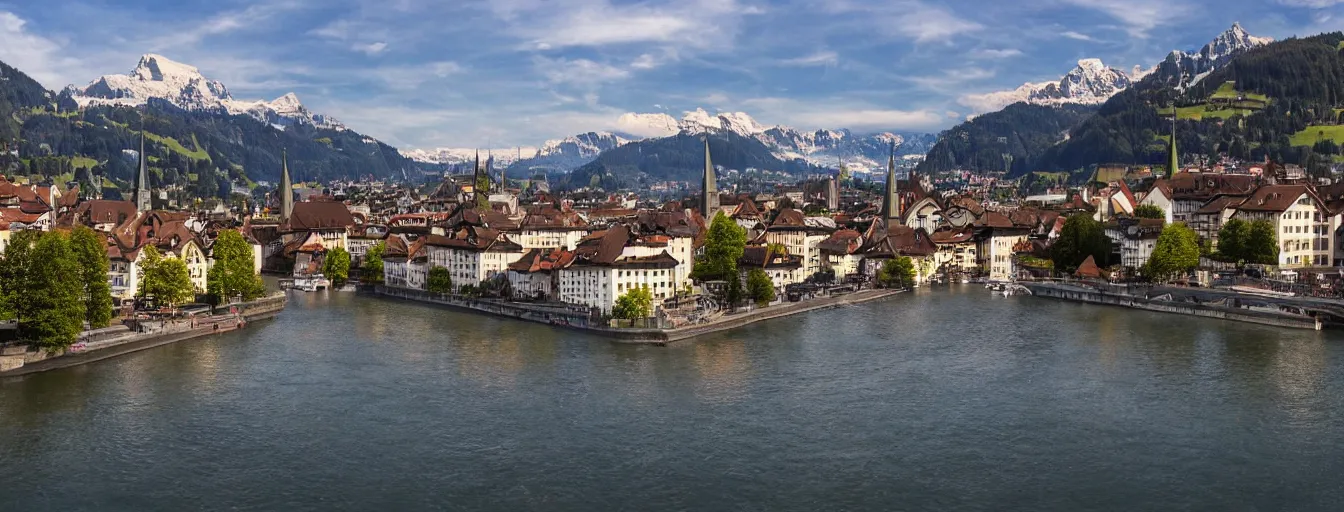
(811, 115)
(645, 61)
(993, 53)
(1076, 36)
(559, 24)
(821, 58)
(1138, 16)
(371, 48)
(925, 23)
(951, 78)
(37, 56)
(577, 71)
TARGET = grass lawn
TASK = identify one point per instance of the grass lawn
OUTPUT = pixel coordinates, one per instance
(177, 147)
(83, 161)
(1200, 112)
(1314, 134)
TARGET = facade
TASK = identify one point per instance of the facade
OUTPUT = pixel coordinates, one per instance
(1305, 227)
(1134, 239)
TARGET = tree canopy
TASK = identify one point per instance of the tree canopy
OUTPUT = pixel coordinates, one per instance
(1232, 238)
(91, 253)
(1080, 237)
(634, 304)
(372, 272)
(724, 245)
(1262, 244)
(165, 279)
(234, 273)
(336, 266)
(1175, 254)
(760, 289)
(897, 273)
(440, 280)
(1149, 211)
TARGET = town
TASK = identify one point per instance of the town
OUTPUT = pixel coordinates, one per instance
(476, 238)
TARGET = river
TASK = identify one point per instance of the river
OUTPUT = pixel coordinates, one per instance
(936, 400)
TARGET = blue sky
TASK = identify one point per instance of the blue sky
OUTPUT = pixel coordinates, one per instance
(422, 73)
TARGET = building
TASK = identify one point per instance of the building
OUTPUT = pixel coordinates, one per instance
(473, 254)
(1304, 225)
(607, 265)
(1134, 240)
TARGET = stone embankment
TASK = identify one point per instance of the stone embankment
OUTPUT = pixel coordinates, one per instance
(1090, 295)
(100, 344)
(563, 317)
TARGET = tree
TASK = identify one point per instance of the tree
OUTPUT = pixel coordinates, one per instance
(1149, 211)
(91, 252)
(634, 304)
(724, 245)
(15, 280)
(52, 314)
(1080, 237)
(336, 266)
(1262, 244)
(1232, 239)
(759, 287)
(234, 273)
(1175, 254)
(373, 263)
(440, 280)
(166, 279)
(897, 272)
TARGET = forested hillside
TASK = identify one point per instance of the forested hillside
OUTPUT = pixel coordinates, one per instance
(1282, 101)
(1020, 131)
(59, 141)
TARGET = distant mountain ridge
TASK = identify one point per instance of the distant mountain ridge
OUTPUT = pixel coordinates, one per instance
(183, 86)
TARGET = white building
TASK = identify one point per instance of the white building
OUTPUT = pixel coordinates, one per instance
(1304, 226)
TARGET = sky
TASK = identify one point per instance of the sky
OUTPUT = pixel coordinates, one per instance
(500, 73)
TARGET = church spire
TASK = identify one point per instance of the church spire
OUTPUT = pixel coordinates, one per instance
(891, 205)
(286, 188)
(1174, 164)
(709, 193)
(142, 193)
(476, 180)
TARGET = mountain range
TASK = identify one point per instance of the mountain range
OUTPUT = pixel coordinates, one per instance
(185, 87)
(1035, 123)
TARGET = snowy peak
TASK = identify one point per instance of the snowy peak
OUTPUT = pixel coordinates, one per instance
(1091, 82)
(700, 121)
(647, 125)
(182, 85)
(587, 145)
(1182, 69)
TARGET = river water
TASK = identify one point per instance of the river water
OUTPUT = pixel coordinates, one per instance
(937, 400)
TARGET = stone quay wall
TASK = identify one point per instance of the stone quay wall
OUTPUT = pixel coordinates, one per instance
(1077, 294)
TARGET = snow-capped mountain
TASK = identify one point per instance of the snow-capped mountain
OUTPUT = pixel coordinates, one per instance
(184, 86)
(1092, 82)
(1183, 69)
(453, 156)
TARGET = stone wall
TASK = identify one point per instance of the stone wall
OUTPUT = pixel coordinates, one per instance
(1180, 308)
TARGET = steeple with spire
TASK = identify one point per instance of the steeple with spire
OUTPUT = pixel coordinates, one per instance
(142, 193)
(1174, 164)
(476, 180)
(286, 188)
(709, 193)
(891, 204)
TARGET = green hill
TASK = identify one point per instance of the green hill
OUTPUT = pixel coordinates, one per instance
(1019, 131)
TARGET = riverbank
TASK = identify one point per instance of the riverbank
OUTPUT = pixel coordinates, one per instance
(1228, 310)
(554, 316)
(100, 344)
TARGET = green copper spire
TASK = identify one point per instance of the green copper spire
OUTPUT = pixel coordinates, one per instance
(286, 187)
(709, 190)
(1174, 164)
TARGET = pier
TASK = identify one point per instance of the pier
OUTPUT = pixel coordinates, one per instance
(1201, 302)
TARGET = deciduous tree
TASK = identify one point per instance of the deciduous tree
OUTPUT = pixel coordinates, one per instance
(373, 263)
(634, 304)
(1080, 237)
(166, 279)
(1149, 211)
(897, 273)
(440, 280)
(336, 266)
(1262, 245)
(724, 245)
(1232, 240)
(234, 273)
(52, 314)
(90, 252)
(759, 287)
(1175, 254)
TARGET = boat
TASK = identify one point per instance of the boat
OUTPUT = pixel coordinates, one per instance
(309, 283)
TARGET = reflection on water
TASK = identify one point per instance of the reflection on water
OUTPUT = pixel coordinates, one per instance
(949, 399)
